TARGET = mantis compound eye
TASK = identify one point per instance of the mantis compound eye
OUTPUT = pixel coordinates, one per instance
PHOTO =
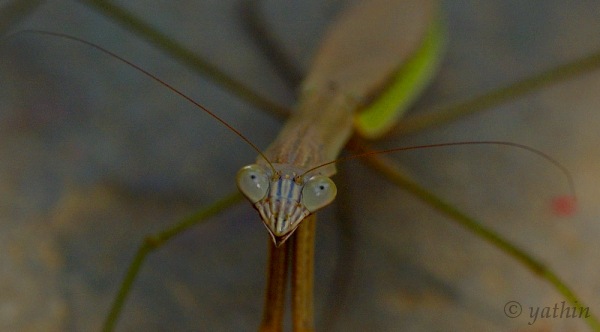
(253, 182)
(318, 192)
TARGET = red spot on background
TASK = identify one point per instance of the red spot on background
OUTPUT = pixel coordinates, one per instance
(564, 206)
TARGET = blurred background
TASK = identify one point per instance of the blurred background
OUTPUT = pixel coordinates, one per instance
(94, 156)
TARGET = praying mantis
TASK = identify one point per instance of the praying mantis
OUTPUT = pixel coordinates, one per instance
(448, 272)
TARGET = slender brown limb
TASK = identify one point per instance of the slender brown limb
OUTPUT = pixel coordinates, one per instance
(303, 257)
(274, 307)
(448, 113)
(268, 43)
(184, 55)
(152, 243)
(339, 291)
(387, 168)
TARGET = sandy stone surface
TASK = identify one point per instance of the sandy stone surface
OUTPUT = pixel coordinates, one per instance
(93, 156)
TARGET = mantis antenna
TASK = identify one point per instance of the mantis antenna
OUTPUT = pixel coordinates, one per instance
(150, 75)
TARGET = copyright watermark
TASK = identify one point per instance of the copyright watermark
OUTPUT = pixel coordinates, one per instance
(561, 310)
(513, 309)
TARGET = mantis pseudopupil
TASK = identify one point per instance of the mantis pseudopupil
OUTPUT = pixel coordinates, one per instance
(478, 180)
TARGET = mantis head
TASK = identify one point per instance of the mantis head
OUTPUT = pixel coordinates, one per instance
(284, 196)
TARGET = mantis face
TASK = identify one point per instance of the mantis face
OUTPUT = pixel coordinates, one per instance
(283, 197)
